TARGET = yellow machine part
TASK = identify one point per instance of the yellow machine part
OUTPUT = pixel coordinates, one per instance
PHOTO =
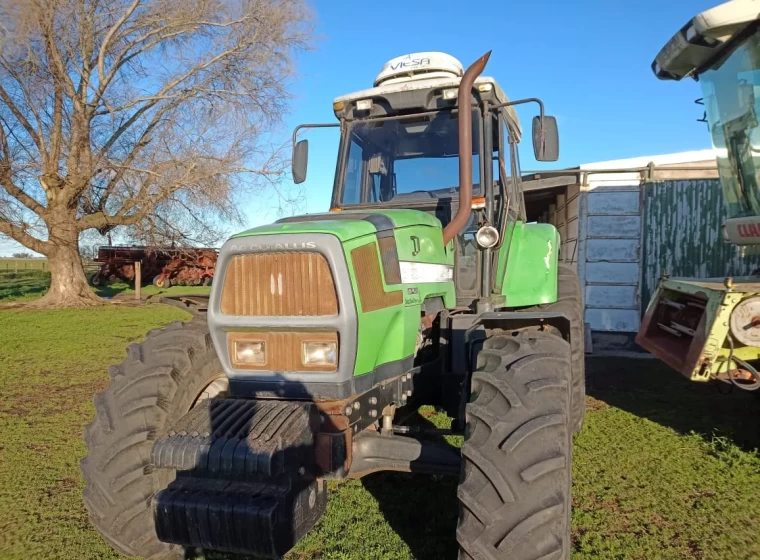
(688, 325)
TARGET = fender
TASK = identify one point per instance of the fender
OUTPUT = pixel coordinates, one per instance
(527, 265)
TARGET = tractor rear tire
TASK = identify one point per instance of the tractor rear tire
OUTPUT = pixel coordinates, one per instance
(514, 490)
(159, 381)
(570, 302)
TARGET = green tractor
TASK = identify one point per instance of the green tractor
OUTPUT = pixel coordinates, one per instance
(709, 329)
(324, 333)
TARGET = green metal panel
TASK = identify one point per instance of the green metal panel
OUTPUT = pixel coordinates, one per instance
(527, 264)
(347, 229)
(682, 234)
(422, 243)
(344, 230)
(403, 218)
(390, 334)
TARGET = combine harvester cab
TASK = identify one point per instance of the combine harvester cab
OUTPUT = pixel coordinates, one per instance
(324, 333)
(710, 328)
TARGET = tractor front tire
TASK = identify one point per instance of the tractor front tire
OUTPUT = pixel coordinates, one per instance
(514, 490)
(570, 303)
(159, 381)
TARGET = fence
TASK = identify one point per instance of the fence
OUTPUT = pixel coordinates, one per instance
(17, 265)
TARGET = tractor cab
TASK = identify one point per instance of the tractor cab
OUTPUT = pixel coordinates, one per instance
(400, 148)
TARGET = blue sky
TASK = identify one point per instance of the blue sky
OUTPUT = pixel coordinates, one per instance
(588, 60)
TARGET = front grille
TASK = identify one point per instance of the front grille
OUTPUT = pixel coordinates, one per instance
(372, 293)
(289, 284)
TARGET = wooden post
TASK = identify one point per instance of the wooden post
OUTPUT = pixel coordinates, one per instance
(138, 278)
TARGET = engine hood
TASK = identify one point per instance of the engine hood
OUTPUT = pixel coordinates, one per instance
(348, 224)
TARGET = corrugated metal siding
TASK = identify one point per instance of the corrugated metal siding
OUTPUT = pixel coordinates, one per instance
(682, 234)
(611, 253)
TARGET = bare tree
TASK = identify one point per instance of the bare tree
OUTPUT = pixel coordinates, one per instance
(151, 115)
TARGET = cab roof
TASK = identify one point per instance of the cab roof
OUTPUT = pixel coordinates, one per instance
(704, 39)
(422, 82)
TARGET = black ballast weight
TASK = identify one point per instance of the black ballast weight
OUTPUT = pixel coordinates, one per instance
(245, 477)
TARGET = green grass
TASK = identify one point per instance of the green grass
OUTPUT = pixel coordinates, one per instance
(652, 479)
(32, 284)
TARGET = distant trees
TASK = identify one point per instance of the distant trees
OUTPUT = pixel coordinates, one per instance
(150, 115)
(23, 256)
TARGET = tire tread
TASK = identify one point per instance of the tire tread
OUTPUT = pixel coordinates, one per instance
(514, 490)
(155, 384)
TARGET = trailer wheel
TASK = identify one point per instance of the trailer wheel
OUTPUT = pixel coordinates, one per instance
(514, 490)
(96, 279)
(570, 302)
(161, 281)
(160, 380)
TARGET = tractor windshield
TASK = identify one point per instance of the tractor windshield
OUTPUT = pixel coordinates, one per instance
(405, 159)
(732, 98)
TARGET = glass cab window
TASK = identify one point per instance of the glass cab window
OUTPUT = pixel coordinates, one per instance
(406, 159)
(732, 97)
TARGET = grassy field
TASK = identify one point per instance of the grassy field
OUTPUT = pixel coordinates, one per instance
(663, 469)
(32, 284)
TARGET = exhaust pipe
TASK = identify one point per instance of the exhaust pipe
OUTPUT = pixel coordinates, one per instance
(465, 149)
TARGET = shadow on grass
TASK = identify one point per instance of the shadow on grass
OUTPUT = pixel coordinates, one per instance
(33, 284)
(421, 509)
(22, 285)
(108, 291)
(29, 285)
(650, 389)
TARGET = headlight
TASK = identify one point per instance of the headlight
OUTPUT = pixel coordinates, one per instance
(319, 353)
(250, 352)
(364, 105)
(487, 236)
(452, 93)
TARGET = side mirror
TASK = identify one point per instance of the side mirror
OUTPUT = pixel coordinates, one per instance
(545, 138)
(300, 161)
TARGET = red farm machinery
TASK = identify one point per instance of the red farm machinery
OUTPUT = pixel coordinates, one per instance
(162, 266)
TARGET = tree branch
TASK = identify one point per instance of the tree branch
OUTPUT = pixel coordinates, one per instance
(25, 92)
(22, 119)
(107, 40)
(18, 234)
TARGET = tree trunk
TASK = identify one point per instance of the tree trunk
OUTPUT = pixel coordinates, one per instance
(68, 284)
